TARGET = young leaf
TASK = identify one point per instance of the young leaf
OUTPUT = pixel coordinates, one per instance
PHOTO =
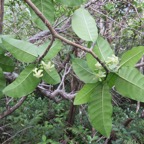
(23, 85)
(131, 57)
(6, 63)
(47, 8)
(2, 82)
(84, 25)
(51, 76)
(82, 70)
(21, 50)
(100, 110)
(102, 49)
(130, 83)
(85, 93)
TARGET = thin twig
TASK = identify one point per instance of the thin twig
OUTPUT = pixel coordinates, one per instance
(12, 109)
(46, 51)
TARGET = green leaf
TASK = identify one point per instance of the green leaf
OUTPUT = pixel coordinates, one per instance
(2, 48)
(70, 3)
(2, 82)
(51, 77)
(111, 79)
(85, 93)
(47, 8)
(21, 50)
(23, 85)
(130, 83)
(131, 57)
(102, 49)
(84, 25)
(6, 63)
(56, 47)
(100, 110)
(82, 70)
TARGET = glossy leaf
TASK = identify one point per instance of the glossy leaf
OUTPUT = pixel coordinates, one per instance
(85, 93)
(82, 70)
(84, 25)
(47, 8)
(100, 110)
(130, 83)
(23, 85)
(51, 77)
(21, 50)
(6, 63)
(131, 57)
(102, 49)
(2, 82)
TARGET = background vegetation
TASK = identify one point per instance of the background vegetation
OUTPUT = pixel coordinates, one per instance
(42, 119)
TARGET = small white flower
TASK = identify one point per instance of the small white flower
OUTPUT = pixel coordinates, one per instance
(98, 66)
(112, 60)
(37, 73)
(47, 66)
(100, 75)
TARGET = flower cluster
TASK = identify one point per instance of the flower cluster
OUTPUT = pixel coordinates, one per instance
(38, 72)
(48, 66)
(112, 63)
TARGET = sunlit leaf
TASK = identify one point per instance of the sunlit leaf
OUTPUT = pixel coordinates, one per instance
(51, 77)
(82, 70)
(84, 25)
(102, 49)
(85, 93)
(131, 57)
(23, 85)
(21, 50)
(100, 110)
(130, 83)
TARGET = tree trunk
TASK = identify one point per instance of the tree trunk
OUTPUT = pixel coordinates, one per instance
(1, 15)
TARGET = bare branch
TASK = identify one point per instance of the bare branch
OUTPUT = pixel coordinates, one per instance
(12, 109)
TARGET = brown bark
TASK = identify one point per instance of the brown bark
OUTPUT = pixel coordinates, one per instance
(1, 15)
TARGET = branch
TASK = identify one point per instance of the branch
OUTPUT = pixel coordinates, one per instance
(56, 35)
(46, 51)
(12, 109)
(1, 15)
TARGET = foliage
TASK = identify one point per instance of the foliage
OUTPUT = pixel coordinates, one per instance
(51, 63)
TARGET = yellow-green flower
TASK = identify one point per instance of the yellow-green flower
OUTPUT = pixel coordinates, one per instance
(112, 60)
(47, 66)
(100, 75)
(37, 73)
(98, 66)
